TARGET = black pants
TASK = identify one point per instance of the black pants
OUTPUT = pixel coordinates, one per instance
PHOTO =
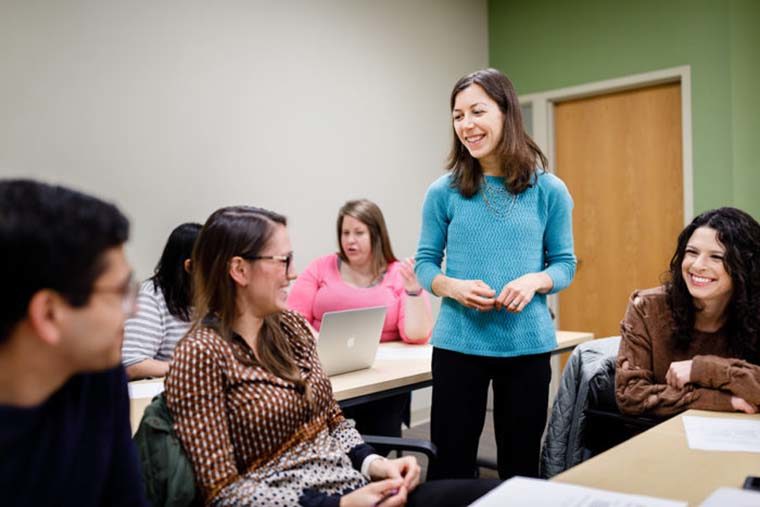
(450, 493)
(381, 417)
(460, 393)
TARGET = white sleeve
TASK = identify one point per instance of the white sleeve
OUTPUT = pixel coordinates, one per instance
(145, 331)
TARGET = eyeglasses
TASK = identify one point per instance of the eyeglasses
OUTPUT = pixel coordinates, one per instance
(128, 292)
(285, 259)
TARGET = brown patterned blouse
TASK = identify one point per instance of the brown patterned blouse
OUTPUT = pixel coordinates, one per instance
(251, 437)
(647, 349)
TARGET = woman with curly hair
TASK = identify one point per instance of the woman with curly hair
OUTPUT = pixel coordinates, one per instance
(695, 342)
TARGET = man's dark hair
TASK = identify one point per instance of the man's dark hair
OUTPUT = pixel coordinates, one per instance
(51, 237)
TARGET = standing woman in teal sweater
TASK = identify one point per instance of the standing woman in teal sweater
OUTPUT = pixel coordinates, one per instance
(505, 225)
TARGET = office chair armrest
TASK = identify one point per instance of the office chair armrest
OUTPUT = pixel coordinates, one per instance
(642, 422)
(387, 444)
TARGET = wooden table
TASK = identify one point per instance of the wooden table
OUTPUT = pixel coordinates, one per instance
(391, 374)
(568, 340)
(398, 368)
(388, 377)
(659, 463)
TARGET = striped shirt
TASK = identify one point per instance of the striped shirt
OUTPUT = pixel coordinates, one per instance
(153, 332)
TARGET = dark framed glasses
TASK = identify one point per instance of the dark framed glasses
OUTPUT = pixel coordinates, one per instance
(285, 259)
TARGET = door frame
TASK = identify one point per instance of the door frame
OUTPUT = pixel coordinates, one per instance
(542, 107)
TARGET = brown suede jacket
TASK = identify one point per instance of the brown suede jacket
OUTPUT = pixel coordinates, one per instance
(647, 349)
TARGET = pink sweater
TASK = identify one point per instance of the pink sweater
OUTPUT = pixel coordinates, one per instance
(320, 289)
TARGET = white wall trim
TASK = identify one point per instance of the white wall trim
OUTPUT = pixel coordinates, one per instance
(542, 104)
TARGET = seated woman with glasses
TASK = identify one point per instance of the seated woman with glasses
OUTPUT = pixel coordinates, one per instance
(365, 273)
(695, 343)
(164, 308)
(252, 407)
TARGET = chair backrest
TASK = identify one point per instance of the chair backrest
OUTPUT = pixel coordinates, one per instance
(605, 425)
(167, 472)
(563, 439)
(601, 385)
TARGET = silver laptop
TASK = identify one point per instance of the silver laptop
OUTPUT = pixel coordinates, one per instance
(348, 339)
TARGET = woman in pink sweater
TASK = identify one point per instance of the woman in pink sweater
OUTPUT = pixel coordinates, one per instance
(366, 273)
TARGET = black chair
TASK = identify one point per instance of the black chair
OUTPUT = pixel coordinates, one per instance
(384, 445)
(585, 419)
(168, 475)
(606, 426)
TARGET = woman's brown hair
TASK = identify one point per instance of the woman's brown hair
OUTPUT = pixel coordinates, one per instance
(239, 231)
(519, 154)
(368, 213)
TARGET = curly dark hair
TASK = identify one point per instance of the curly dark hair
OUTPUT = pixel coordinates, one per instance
(739, 234)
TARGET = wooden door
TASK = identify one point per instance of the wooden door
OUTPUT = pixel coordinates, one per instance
(620, 156)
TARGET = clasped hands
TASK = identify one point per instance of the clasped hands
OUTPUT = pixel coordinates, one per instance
(394, 480)
(679, 374)
(514, 297)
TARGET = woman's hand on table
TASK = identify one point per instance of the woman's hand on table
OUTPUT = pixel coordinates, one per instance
(679, 374)
(742, 405)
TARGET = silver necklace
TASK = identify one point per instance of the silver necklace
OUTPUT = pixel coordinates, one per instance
(497, 199)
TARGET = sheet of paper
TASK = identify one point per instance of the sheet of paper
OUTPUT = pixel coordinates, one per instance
(139, 390)
(522, 492)
(410, 352)
(722, 434)
(733, 497)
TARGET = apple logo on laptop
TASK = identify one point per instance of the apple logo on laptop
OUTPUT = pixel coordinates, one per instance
(351, 342)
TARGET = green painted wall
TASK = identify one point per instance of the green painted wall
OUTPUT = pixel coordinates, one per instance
(745, 85)
(548, 44)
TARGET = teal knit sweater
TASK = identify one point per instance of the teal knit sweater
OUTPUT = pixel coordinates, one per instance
(496, 239)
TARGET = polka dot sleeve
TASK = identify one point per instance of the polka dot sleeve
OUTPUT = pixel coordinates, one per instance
(195, 396)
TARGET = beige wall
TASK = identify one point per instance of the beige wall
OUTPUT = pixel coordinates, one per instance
(175, 108)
